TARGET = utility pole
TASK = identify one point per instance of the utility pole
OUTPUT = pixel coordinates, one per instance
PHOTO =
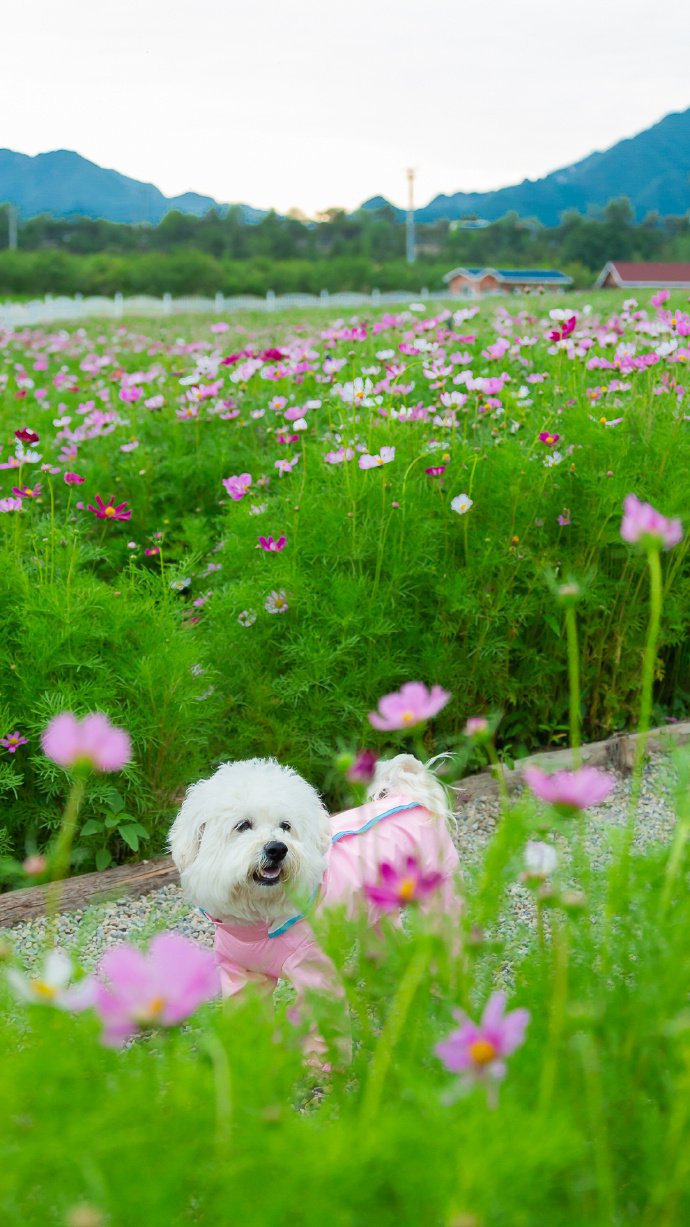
(12, 227)
(409, 221)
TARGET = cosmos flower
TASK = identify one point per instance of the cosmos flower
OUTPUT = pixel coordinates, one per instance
(162, 987)
(386, 456)
(12, 741)
(400, 886)
(237, 487)
(92, 742)
(549, 439)
(276, 602)
(52, 985)
(477, 1051)
(461, 503)
(642, 524)
(271, 546)
(408, 707)
(10, 504)
(109, 510)
(570, 791)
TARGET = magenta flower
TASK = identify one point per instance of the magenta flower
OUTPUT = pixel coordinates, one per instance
(549, 439)
(28, 491)
(409, 706)
(565, 330)
(73, 479)
(10, 504)
(12, 741)
(570, 791)
(436, 471)
(564, 519)
(26, 435)
(108, 511)
(658, 299)
(362, 769)
(273, 547)
(642, 524)
(133, 990)
(398, 887)
(92, 742)
(477, 1051)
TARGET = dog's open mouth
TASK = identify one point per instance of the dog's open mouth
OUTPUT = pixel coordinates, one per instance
(268, 875)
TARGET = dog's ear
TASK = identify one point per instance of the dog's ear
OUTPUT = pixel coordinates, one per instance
(185, 835)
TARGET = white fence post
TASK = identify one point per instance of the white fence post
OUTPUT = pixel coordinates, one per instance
(220, 302)
(118, 305)
(375, 298)
(167, 303)
(323, 296)
(270, 300)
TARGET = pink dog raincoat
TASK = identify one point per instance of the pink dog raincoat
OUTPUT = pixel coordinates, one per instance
(388, 830)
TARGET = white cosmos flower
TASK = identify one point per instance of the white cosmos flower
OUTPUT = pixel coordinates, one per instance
(461, 504)
(52, 984)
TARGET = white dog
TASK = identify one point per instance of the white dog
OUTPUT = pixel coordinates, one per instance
(256, 849)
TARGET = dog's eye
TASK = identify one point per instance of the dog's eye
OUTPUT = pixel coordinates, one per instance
(285, 826)
(244, 825)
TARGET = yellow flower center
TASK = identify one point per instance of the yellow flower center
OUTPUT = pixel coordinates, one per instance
(150, 1012)
(482, 1052)
(407, 890)
(408, 717)
(44, 990)
(109, 511)
(603, 421)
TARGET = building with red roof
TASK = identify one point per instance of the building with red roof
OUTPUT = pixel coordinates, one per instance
(624, 275)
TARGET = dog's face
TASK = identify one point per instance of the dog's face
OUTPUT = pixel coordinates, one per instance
(250, 843)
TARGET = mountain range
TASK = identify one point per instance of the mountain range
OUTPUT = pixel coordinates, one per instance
(652, 169)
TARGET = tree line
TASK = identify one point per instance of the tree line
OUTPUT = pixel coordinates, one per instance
(339, 251)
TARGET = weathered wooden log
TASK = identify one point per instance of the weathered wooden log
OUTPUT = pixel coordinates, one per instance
(78, 892)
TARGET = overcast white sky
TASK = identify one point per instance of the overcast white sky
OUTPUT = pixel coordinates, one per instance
(304, 103)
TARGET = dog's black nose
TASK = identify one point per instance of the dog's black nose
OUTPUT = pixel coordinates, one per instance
(275, 852)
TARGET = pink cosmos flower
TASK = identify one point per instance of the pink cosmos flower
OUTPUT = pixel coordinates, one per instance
(549, 439)
(399, 887)
(408, 707)
(273, 547)
(73, 479)
(109, 511)
(436, 471)
(237, 487)
(477, 1051)
(35, 865)
(285, 466)
(570, 791)
(476, 726)
(12, 741)
(92, 742)
(643, 524)
(134, 990)
(564, 519)
(26, 436)
(658, 299)
(386, 455)
(340, 456)
(10, 504)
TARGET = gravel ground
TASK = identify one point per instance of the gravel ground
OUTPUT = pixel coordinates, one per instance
(89, 932)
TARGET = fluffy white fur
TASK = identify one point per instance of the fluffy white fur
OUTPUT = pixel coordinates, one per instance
(219, 856)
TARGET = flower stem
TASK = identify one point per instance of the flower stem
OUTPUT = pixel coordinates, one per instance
(574, 685)
(648, 668)
(390, 1035)
(63, 850)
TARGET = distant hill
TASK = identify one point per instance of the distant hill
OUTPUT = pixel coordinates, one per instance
(64, 184)
(652, 169)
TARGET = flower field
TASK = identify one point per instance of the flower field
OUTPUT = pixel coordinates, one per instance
(225, 541)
